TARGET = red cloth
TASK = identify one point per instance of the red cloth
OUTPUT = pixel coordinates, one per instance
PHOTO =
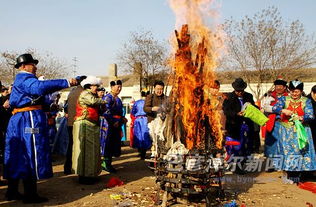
(232, 143)
(131, 132)
(270, 122)
(263, 131)
(308, 186)
(114, 181)
(92, 113)
(296, 108)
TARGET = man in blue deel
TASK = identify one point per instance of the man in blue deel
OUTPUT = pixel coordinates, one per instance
(27, 150)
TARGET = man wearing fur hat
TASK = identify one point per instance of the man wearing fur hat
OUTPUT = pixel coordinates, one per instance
(280, 89)
(114, 120)
(27, 150)
(237, 126)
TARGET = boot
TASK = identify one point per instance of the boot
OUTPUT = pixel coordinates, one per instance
(30, 191)
(142, 153)
(68, 162)
(294, 176)
(12, 191)
(107, 165)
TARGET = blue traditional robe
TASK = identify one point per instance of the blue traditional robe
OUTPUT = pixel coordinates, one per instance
(124, 127)
(27, 150)
(141, 132)
(104, 128)
(62, 138)
(289, 156)
(110, 135)
(270, 141)
(51, 113)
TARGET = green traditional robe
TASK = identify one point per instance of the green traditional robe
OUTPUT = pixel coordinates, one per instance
(86, 160)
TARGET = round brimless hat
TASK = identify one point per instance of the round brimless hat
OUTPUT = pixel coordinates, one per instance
(296, 84)
(101, 89)
(117, 82)
(25, 59)
(280, 81)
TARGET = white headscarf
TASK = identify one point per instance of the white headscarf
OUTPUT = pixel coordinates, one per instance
(92, 80)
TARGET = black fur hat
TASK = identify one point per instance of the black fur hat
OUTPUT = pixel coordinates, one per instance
(113, 83)
(280, 81)
(101, 89)
(296, 84)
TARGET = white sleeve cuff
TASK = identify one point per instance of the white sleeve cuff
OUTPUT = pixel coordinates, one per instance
(268, 108)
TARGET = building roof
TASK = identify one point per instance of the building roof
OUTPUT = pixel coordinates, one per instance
(127, 80)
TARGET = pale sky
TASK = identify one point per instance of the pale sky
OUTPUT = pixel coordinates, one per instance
(93, 31)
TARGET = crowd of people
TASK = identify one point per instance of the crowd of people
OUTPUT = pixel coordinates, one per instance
(94, 120)
(289, 142)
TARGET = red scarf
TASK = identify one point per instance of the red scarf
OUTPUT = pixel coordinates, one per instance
(270, 123)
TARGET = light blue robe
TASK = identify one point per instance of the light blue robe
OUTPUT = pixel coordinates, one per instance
(289, 156)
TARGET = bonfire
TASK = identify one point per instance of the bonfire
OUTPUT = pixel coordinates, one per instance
(196, 118)
(192, 115)
(188, 134)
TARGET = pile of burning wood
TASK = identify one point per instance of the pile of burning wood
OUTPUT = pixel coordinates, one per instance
(187, 136)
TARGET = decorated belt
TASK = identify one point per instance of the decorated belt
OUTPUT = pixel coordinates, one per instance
(27, 108)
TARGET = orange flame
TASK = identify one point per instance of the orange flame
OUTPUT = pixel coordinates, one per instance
(194, 65)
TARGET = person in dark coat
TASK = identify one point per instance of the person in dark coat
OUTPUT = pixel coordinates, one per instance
(312, 124)
(237, 126)
(5, 114)
(153, 102)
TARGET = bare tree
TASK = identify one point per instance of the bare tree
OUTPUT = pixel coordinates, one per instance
(7, 70)
(265, 43)
(49, 66)
(143, 56)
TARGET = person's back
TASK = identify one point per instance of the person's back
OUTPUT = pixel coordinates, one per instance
(232, 105)
(142, 140)
(72, 102)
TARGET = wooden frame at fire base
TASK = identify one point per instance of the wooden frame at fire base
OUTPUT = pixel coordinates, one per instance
(187, 135)
(201, 181)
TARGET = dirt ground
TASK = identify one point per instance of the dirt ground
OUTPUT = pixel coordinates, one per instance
(264, 189)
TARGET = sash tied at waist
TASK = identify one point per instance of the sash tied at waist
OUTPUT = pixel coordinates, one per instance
(27, 108)
(117, 116)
